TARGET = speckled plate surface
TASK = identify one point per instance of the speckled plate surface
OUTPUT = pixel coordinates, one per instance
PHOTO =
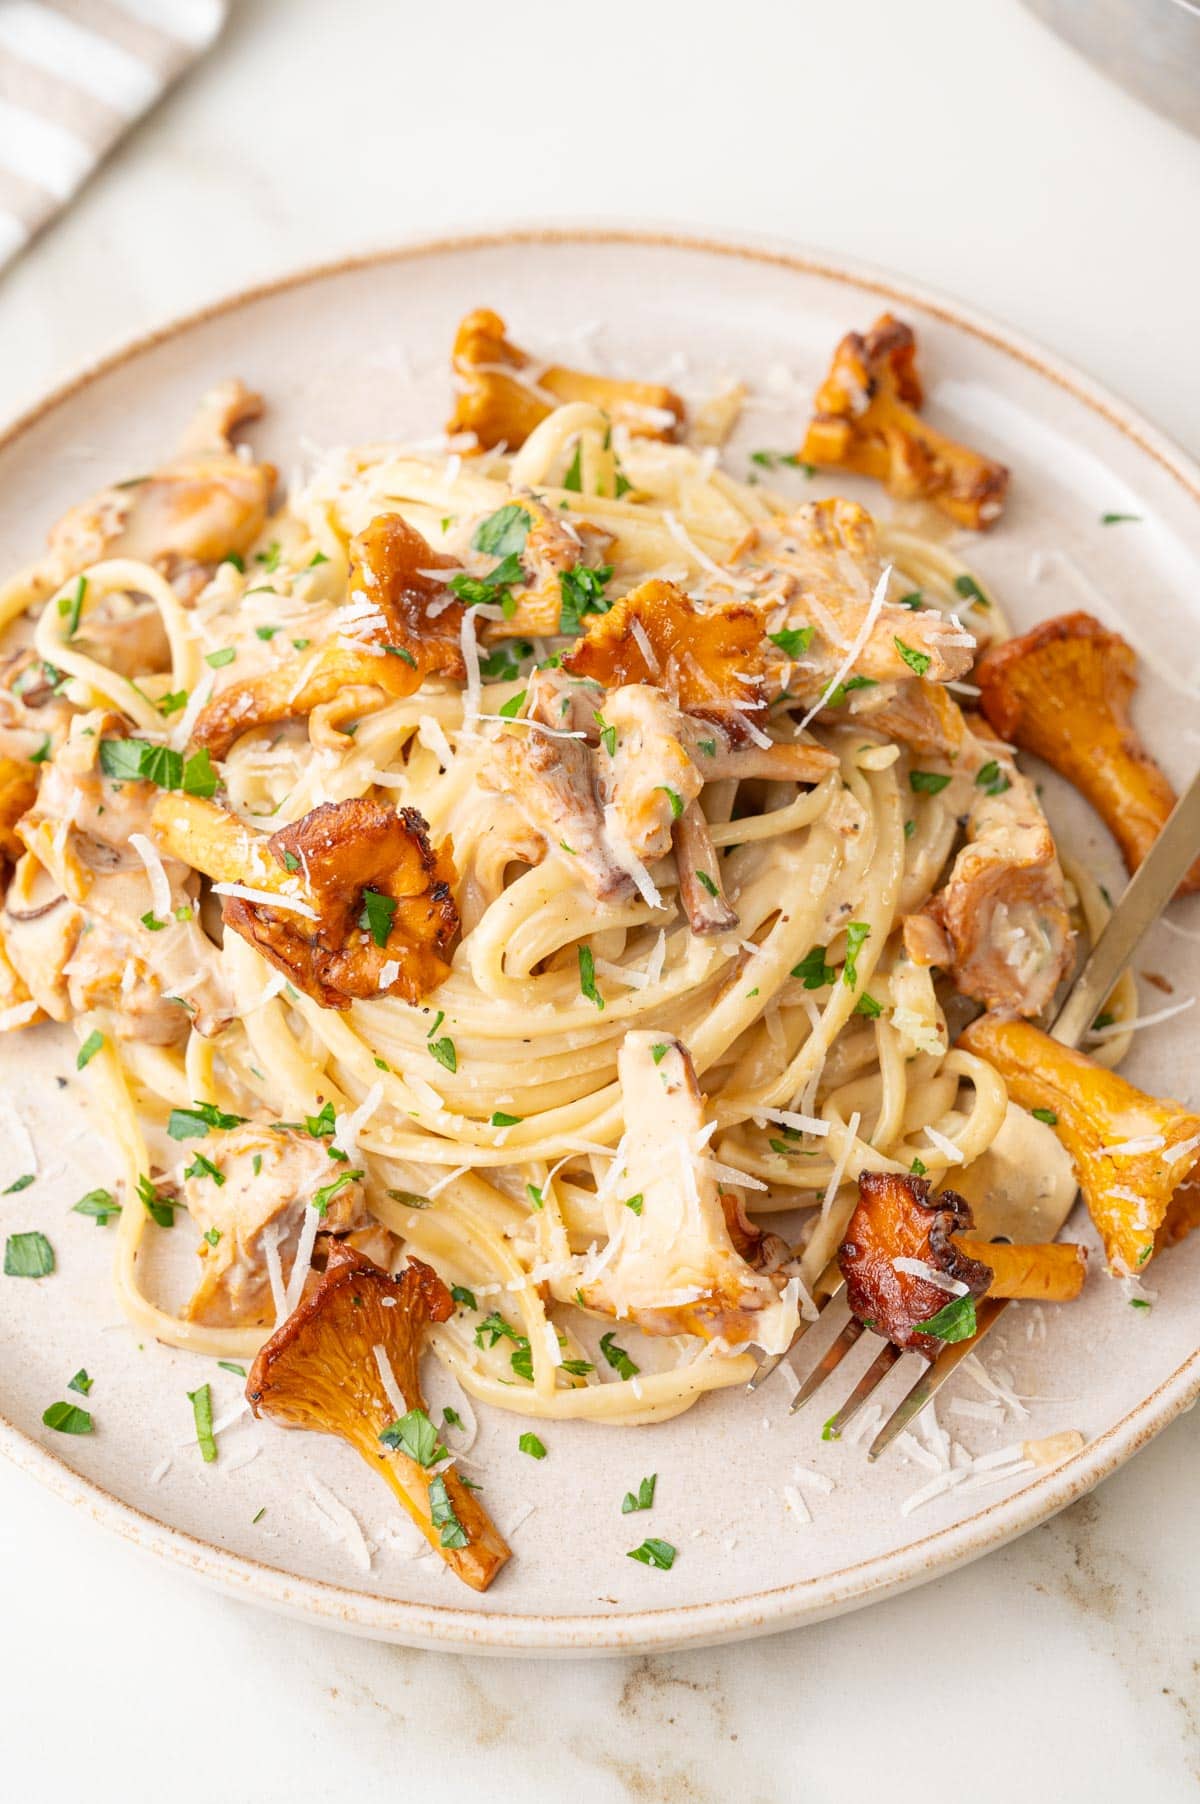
(359, 351)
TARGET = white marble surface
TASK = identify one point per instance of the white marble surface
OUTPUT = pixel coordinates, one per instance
(958, 144)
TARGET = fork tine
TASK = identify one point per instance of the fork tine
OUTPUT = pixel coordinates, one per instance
(935, 1375)
(829, 1362)
(874, 1376)
(773, 1361)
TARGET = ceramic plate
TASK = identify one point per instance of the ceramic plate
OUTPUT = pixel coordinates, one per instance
(360, 351)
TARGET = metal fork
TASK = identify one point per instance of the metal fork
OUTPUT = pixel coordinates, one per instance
(1147, 894)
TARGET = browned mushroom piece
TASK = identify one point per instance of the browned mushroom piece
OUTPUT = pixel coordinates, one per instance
(373, 913)
(1063, 691)
(708, 660)
(321, 1370)
(402, 627)
(1131, 1194)
(896, 1221)
(18, 792)
(205, 505)
(503, 395)
(866, 420)
(1004, 904)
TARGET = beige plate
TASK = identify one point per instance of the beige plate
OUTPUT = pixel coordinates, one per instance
(359, 351)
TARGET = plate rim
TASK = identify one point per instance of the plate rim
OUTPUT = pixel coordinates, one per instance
(757, 1613)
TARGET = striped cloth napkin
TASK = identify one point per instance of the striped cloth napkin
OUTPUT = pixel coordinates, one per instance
(75, 75)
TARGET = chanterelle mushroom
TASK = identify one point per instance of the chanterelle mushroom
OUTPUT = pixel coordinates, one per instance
(1004, 905)
(94, 919)
(901, 1264)
(324, 1370)
(908, 1261)
(865, 419)
(202, 506)
(1132, 1152)
(708, 660)
(502, 394)
(265, 1179)
(671, 1264)
(365, 906)
(401, 625)
(820, 567)
(1063, 691)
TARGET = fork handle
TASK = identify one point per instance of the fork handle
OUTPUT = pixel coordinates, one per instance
(1147, 894)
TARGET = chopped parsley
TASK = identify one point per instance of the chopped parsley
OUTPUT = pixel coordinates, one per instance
(21, 1183)
(452, 1417)
(415, 1435)
(202, 1415)
(88, 1050)
(642, 1498)
(953, 1323)
(1118, 519)
(991, 779)
(608, 735)
(81, 1383)
(466, 1297)
(500, 1119)
(218, 659)
(917, 661)
(535, 1195)
(502, 665)
(376, 916)
(68, 1418)
(771, 460)
(654, 1553)
(838, 694)
(828, 1431)
(617, 1357)
(658, 1053)
(71, 606)
(573, 480)
(137, 760)
(266, 632)
(857, 934)
(867, 1005)
(969, 589)
(1139, 1302)
(636, 1203)
(1046, 1115)
(269, 559)
(793, 641)
(196, 1122)
(325, 1195)
(229, 1365)
(444, 1052)
(28, 1256)
(582, 591)
(42, 753)
(99, 1204)
(503, 532)
(918, 1168)
(927, 782)
(706, 882)
(158, 1207)
(530, 1444)
(402, 652)
(442, 1514)
(812, 970)
(201, 1167)
(914, 600)
(587, 977)
(151, 922)
(673, 796)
